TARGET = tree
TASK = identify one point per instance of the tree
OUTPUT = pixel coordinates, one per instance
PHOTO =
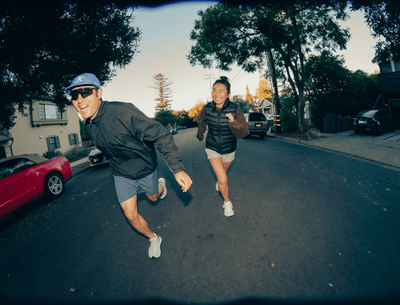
(249, 97)
(244, 105)
(327, 83)
(245, 35)
(181, 117)
(42, 48)
(332, 88)
(162, 85)
(194, 112)
(383, 18)
(362, 92)
(264, 89)
(166, 118)
(288, 110)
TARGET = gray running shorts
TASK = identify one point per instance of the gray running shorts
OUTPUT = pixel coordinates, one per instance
(225, 158)
(127, 188)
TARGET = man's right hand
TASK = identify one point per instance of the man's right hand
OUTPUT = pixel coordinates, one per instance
(183, 180)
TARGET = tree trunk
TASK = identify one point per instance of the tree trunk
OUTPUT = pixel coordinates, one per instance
(271, 65)
(301, 110)
(299, 77)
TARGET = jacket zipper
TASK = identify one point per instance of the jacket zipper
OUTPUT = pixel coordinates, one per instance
(219, 132)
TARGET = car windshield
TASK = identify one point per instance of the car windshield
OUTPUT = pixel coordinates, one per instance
(254, 116)
(367, 114)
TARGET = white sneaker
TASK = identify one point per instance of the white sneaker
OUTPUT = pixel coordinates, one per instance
(228, 209)
(155, 246)
(216, 187)
(164, 186)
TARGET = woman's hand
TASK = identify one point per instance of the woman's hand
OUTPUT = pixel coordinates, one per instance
(230, 117)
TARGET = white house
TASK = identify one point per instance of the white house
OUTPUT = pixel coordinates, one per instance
(44, 129)
(266, 106)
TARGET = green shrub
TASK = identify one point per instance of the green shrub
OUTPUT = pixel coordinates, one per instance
(288, 113)
(76, 154)
(82, 153)
(70, 157)
(52, 154)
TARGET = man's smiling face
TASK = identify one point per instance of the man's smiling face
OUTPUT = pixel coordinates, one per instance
(87, 106)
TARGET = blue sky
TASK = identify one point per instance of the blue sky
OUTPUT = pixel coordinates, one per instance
(165, 43)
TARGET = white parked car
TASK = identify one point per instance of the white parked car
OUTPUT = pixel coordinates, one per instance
(97, 157)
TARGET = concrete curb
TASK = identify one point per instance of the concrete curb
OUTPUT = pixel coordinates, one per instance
(81, 171)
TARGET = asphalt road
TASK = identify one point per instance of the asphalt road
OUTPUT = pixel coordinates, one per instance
(309, 226)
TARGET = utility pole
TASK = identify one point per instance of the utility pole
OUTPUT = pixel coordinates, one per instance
(209, 77)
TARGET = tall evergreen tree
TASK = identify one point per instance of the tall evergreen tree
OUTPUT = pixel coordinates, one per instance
(163, 86)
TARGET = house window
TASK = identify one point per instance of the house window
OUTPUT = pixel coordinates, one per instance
(53, 143)
(73, 139)
(49, 112)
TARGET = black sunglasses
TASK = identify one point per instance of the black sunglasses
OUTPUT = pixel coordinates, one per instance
(84, 92)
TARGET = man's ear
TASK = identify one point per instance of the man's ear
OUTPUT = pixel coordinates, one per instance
(99, 93)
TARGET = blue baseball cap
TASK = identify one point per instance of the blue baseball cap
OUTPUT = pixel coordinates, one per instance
(85, 79)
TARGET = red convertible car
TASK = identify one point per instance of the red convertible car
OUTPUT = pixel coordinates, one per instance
(27, 177)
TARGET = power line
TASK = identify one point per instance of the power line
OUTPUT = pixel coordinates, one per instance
(208, 76)
(235, 76)
(239, 76)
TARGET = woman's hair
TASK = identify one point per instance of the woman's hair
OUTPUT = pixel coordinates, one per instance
(224, 80)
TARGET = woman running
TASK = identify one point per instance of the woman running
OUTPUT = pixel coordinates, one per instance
(226, 123)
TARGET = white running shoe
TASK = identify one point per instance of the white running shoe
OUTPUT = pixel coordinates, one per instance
(155, 246)
(162, 182)
(228, 209)
(216, 187)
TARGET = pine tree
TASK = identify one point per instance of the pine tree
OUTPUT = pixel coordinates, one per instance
(162, 85)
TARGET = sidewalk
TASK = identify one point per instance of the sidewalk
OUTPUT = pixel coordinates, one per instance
(384, 149)
(80, 166)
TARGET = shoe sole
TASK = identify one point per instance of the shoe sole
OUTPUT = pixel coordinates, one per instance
(164, 186)
(159, 254)
(216, 187)
(233, 213)
(228, 213)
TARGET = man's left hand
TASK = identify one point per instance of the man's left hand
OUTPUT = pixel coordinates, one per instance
(184, 180)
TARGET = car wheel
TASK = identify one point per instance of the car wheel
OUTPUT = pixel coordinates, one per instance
(378, 131)
(54, 185)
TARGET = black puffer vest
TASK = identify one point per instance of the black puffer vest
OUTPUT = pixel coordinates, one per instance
(219, 137)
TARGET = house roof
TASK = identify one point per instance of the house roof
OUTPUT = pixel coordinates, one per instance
(265, 102)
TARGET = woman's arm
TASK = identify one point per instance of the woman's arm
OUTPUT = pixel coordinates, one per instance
(203, 125)
(239, 126)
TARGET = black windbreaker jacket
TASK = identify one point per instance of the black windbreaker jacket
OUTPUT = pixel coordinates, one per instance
(130, 139)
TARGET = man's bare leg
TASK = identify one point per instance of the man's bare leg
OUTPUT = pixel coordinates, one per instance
(135, 219)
